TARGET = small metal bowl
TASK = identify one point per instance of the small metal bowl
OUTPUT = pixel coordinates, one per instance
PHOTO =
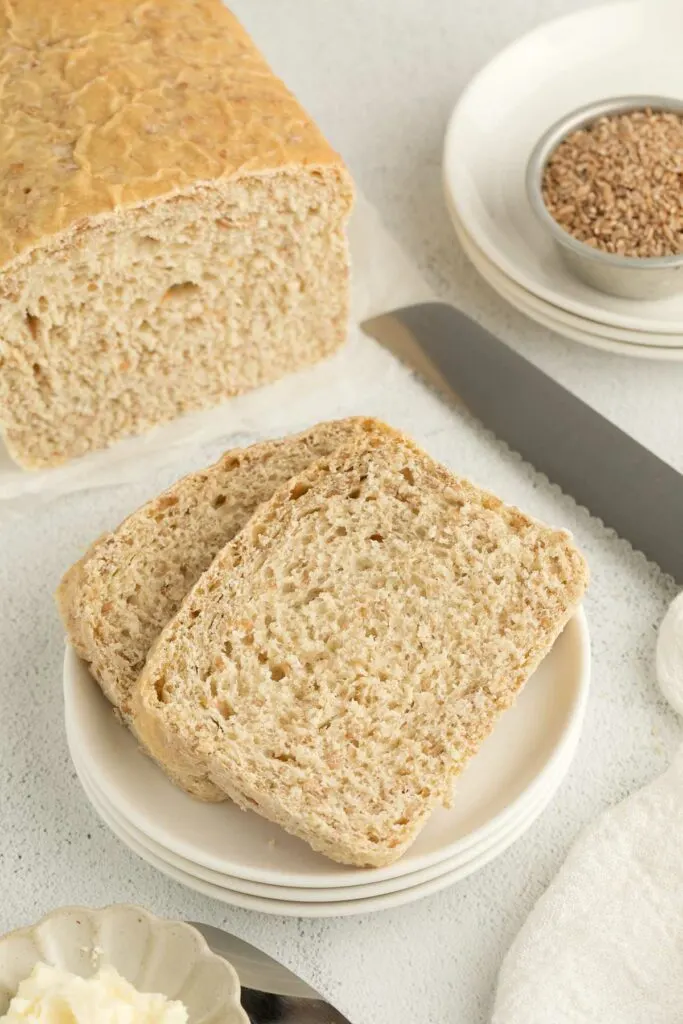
(631, 277)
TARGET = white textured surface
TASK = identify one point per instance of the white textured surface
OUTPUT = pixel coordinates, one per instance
(381, 78)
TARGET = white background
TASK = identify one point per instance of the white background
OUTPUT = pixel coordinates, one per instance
(381, 77)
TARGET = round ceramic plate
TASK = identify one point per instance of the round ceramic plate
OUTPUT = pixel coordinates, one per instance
(545, 314)
(520, 297)
(614, 50)
(512, 767)
(287, 908)
(329, 895)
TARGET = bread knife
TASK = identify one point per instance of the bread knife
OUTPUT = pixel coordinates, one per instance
(271, 993)
(600, 466)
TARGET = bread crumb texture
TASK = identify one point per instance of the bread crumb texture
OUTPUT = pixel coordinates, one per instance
(352, 647)
(172, 223)
(117, 599)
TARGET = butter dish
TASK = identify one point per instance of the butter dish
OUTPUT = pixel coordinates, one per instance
(168, 957)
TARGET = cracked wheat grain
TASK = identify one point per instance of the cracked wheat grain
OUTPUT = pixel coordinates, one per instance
(617, 185)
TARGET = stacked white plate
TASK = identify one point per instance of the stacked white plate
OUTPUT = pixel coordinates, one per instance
(621, 49)
(239, 858)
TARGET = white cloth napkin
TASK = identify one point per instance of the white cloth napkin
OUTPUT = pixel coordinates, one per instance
(604, 944)
(383, 278)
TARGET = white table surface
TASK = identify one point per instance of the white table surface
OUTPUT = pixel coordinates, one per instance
(381, 77)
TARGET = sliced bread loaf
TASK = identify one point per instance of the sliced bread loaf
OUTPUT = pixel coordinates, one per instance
(116, 600)
(172, 223)
(352, 647)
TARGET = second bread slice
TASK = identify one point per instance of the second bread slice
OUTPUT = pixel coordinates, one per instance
(352, 647)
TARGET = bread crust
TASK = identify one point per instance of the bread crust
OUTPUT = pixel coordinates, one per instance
(108, 105)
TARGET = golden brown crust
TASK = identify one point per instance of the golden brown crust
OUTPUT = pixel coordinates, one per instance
(110, 103)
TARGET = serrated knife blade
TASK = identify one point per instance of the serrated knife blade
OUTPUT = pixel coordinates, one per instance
(270, 991)
(598, 464)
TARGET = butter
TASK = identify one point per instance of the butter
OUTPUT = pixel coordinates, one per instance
(51, 995)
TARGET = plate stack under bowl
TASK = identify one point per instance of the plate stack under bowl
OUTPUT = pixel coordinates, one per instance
(240, 858)
(562, 66)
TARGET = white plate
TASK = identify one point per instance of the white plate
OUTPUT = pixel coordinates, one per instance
(544, 314)
(497, 281)
(516, 294)
(619, 49)
(328, 895)
(513, 766)
(286, 908)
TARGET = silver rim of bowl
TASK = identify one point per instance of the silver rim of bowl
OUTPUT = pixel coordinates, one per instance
(547, 145)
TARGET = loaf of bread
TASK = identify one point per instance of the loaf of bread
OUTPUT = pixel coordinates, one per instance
(352, 647)
(117, 599)
(172, 224)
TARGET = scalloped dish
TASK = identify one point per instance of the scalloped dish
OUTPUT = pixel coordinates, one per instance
(168, 958)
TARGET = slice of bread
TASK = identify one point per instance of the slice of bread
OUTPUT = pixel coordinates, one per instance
(352, 647)
(116, 600)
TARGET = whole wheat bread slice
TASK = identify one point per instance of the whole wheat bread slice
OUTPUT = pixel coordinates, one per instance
(116, 600)
(352, 647)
